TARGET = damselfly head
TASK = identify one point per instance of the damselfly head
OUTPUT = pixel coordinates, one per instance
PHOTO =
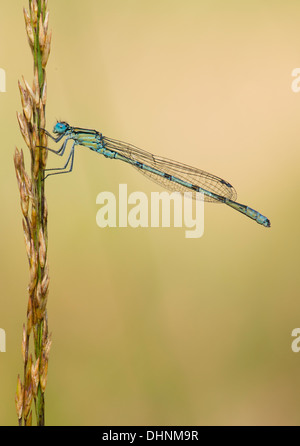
(61, 127)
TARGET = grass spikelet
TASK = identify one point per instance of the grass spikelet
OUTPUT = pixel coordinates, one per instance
(31, 187)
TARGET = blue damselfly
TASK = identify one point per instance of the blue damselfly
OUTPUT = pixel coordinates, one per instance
(169, 174)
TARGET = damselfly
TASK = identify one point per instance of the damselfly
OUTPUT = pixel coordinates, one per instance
(169, 174)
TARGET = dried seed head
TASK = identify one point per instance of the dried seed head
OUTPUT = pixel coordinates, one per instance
(44, 91)
(34, 137)
(28, 421)
(45, 216)
(36, 88)
(22, 160)
(27, 400)
(41, 310)
(24, 128)
(26, 17)
(19, 398)
(24, 344)
(33, 257)
(19, 178)
(26, 230)
(35, 376)
(45, 330)
(33, 216)
(27, 239)
(29, 317)
(24, 200)
(44, 145)
(22, 122)
(23, 94)
(44, 140)
(28, 184)
(29, 90)
(36, 166)
(38, 294)
(33, 269)
(47, 346)
(17, 159)
(46, 21)
(29, 29)
(42, 248)
(28, 372)
(45, 284)
(35, 330)
(28, 248)
(41, 33)
(34, 11)
(44, 157)
(26, 102)
(46, 52)
(30, 35)
(42, 114)
(27, 110)
(43, 377)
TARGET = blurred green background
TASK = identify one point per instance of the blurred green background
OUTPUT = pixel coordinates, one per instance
(150, 328)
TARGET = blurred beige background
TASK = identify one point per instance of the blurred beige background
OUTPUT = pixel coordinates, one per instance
(150, 328)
